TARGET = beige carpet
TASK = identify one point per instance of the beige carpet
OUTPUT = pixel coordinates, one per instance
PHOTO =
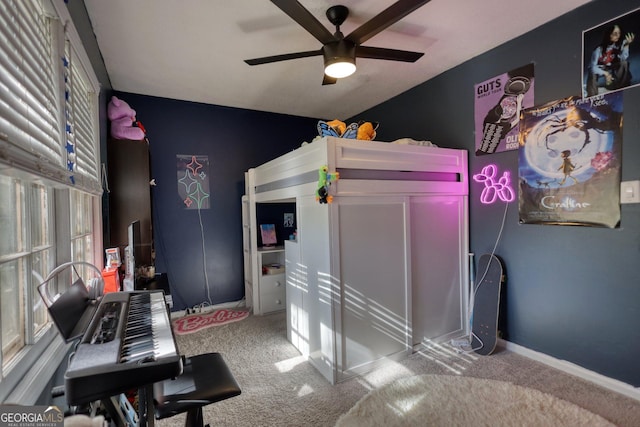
(445, 400)
(281, 389)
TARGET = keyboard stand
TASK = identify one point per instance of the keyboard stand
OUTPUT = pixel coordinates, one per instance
(206, 379)
(146, 407)
(120, 411)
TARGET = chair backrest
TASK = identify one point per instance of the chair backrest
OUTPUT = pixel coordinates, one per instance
(72, 310)
(68, 310)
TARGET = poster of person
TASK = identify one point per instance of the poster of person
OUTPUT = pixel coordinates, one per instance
(498, 102)
(569, 162)
(611, 55)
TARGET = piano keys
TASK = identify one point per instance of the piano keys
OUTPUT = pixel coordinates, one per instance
(128, 344)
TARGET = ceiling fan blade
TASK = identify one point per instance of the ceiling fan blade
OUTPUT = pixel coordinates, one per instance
(388, 54)
(384, 19)
(284, 57)
(305, 19)
(328, 80)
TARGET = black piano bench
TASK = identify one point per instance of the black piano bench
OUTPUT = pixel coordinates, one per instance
(205, 379)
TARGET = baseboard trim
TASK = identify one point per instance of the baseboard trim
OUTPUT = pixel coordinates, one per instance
(573, 369)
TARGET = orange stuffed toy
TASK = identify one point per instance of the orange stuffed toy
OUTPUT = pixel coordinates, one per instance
(367, 130)
(362, 130)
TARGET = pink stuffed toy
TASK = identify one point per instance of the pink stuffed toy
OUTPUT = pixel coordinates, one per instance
(123, 118)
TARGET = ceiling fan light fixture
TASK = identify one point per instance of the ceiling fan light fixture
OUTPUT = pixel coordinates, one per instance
(340, 51)
(339, 59)
(342, 67)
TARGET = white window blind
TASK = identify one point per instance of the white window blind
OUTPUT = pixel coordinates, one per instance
(30, 133)
(48, 95)
(81, 141)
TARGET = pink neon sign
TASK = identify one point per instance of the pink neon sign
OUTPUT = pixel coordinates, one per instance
(500, 189)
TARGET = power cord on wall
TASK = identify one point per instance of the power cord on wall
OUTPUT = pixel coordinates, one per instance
(204, 260)
(464, 345)
(198, 307)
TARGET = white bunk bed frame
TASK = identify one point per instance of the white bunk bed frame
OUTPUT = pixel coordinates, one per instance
(415, 179)
(281, 178)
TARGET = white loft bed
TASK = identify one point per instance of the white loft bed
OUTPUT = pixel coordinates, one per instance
(380, 271)
(281, 178)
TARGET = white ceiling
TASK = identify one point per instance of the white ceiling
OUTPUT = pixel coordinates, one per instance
(194, 50)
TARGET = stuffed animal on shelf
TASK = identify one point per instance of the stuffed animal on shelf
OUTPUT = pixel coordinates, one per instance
(367, 130)
(337, 129)
(123, 120)
(362, 130)
(325, 178)
(338, 126)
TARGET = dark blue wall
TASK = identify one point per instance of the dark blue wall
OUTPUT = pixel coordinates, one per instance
(572, 292)
(234, 140)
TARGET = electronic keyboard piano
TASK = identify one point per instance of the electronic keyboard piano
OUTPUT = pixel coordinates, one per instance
(128, 344)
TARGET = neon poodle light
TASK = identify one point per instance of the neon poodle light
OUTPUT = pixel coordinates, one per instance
(494, 189)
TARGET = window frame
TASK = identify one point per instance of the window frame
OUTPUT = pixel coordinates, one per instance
(24, 379)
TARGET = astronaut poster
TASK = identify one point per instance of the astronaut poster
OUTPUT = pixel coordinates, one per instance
(498, 102)
(569, 162)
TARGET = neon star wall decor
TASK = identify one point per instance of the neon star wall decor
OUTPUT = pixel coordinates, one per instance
(193, 181)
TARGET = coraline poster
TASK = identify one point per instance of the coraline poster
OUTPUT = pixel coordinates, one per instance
(569, 158)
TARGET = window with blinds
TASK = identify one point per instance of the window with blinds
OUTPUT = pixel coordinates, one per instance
(49, 182)
(29, 113)
(48, 101)
(80, 145)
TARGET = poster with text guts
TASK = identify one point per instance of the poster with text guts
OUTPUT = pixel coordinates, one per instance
(569, 162)
(498, 102)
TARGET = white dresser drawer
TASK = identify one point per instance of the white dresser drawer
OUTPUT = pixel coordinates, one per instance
(272, 293)
(272, 302)
(272, 283)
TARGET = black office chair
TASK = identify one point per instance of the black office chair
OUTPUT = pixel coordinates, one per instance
(205, 379)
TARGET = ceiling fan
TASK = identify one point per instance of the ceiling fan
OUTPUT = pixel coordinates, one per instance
(340, 52)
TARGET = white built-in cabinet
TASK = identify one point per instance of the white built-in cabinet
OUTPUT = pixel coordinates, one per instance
(358, 283)
(271, 287)
(296, 298)
(264, 291)
(381, 271)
